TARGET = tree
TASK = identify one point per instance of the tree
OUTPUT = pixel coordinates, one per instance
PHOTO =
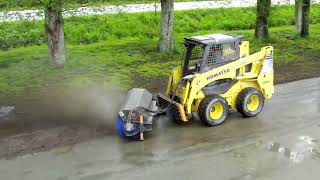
(166, 43)
(302, 17)
(54, 26)
(263, 11)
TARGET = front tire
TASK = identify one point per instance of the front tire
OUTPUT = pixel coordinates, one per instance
(213, 110)
(250, 102)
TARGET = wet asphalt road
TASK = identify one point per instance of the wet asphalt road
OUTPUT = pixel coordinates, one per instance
(281, 143)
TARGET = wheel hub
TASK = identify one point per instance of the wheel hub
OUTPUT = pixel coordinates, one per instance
(216, 111)
(253, 103)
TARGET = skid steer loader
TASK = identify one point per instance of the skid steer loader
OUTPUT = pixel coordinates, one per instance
(217, 75)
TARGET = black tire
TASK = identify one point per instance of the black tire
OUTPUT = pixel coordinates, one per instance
(206, 106)
(244, 100)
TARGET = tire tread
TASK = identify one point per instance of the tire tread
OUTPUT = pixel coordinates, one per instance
(203, 107)
(241, 101)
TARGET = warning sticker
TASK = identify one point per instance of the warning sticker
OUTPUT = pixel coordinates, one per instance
(268, 64)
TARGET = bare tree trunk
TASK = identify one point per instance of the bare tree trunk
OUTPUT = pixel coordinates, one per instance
(166, 31)
(302, 17)
(54, 26)
(263, 11)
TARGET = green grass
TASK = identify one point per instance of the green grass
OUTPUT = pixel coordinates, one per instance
(119, 50)
(119, 62)
(142, 26)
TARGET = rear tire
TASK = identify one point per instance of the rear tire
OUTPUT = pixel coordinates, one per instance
(213, 110)
(250, 102)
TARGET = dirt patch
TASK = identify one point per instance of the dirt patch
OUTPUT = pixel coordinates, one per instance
(46, 122)
(296, 71)
(154, 85)
(34, 141)
(21, 138)
(283, 73)
(57, 118)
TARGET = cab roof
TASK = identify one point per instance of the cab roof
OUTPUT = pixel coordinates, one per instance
(211, 39)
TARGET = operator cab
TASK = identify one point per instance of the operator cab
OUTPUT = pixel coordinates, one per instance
(204, 53)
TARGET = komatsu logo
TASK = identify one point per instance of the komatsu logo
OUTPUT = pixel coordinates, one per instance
(225, 71)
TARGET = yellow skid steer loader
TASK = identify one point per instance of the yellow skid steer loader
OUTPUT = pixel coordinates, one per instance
(218, 75)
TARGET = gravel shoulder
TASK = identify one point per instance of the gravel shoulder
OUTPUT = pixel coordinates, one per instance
(135, 8)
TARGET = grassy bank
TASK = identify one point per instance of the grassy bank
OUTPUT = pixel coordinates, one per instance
(126, 63)
(142, 26)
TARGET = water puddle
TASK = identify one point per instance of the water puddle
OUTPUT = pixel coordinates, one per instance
(304, 147)
(7, 113)
(64, 150)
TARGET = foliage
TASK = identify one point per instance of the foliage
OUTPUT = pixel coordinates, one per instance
(18, 4)
(35, 4)
(126, 63)
(141, 26)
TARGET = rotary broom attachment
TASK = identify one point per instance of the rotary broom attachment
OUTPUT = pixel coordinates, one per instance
(139, 111)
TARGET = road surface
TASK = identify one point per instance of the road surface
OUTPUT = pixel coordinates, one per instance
(135, 8)
(281, 143)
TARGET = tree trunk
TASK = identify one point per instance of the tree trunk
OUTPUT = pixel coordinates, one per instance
(263, 10)
(166, 31)
(302, 17)
(54, 26)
